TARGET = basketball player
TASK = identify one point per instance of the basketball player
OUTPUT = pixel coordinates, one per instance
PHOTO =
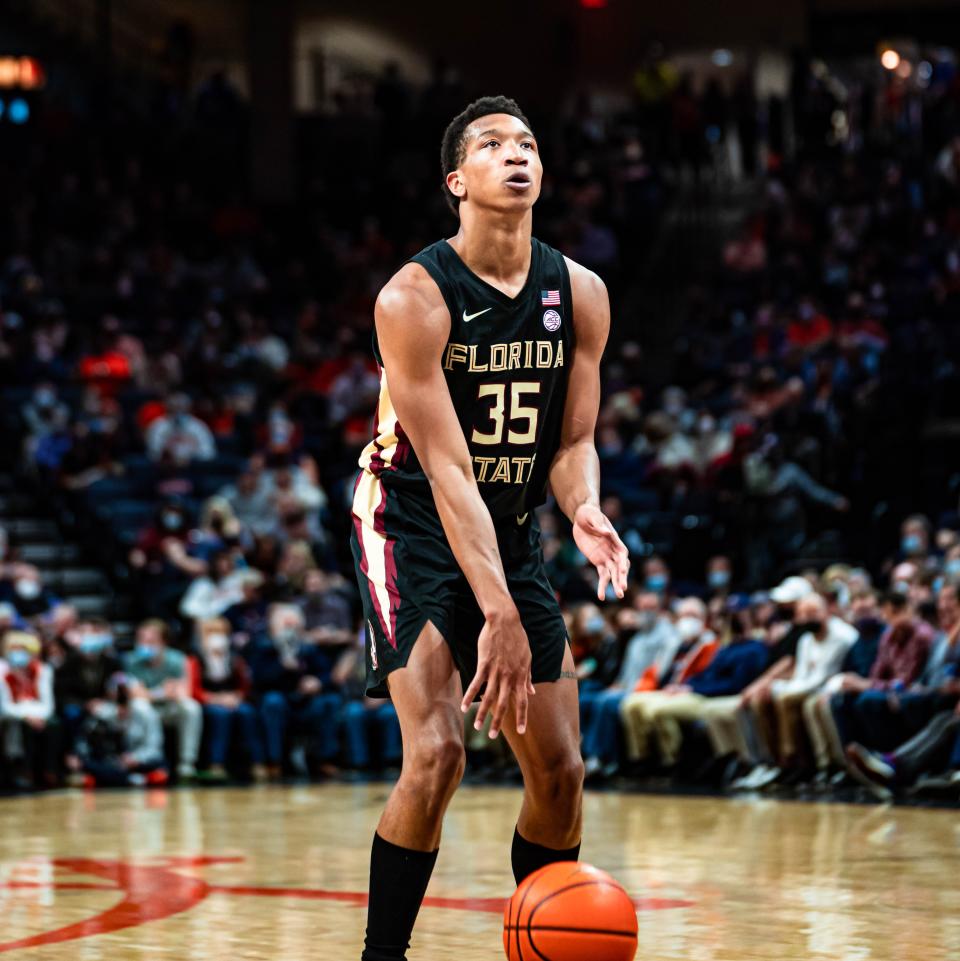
(489, 346)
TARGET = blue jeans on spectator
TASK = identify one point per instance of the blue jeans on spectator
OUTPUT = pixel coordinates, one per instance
(588, 698)
(602, 733)
(71, 719)
(316, 717)
(359, 723)
(883, 720)
(220, 723)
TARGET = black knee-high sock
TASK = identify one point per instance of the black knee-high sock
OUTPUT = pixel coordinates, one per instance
(398, 882)
(527, 857)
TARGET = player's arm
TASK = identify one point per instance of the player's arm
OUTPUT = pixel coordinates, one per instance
(575, 471)
(413, 326)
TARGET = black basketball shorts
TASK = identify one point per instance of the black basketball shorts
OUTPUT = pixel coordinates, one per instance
(408, 575)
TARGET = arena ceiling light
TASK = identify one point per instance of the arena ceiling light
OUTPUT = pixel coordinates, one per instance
(890, 59)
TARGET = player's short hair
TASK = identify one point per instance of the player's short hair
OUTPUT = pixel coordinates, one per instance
(454, 147)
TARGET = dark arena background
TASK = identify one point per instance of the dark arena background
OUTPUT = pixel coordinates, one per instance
(199, 202)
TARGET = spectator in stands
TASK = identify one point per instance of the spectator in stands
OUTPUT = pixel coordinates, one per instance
(327, 615)
(901, 658)
(162, 671)
(915, 539)
(640, 710)
(248, 617)
(656, 576)
(121, 742)
(251, 498)
(596, 652)
(892, 719)
(59, 632)
(728, 718)
(719, 576)
(212, 594)
(26, 592)
(296, 562)
(29, 733)
(80, 680)
(292, 684)
(653, 644)
(828, 756)
(178, 437)
(221, 684)
(40, 413)
(821, 649)
(218, 530)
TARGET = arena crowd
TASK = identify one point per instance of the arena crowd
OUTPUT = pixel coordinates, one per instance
(188, 381)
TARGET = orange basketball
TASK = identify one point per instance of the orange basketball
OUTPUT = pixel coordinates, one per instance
(570, 912)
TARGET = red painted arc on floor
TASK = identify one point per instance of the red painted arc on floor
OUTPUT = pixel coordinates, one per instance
(154, 892)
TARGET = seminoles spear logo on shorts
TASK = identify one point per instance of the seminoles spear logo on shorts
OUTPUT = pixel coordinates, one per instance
(373, 645)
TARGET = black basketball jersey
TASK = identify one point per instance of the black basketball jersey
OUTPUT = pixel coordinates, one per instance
(506, 364)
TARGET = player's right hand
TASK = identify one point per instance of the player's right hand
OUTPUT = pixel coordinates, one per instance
(503, 664)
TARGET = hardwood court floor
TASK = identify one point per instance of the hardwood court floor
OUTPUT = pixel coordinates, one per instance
(279, 873)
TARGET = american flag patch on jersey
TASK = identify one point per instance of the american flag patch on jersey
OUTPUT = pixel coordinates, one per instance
(550, 298)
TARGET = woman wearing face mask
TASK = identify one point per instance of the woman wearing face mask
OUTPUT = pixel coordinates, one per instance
(30, 734)
(221, 683)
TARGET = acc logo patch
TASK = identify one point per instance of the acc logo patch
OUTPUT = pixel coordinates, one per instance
(551, 320)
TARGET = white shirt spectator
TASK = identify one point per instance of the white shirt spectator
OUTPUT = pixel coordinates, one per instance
(182, 437)
(206, 598)
(817, 661)
(40, 708)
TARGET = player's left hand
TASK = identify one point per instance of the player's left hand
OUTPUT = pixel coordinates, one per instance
(601, 545)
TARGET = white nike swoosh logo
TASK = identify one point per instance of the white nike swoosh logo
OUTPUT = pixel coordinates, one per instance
(520, 520)
(468, 317)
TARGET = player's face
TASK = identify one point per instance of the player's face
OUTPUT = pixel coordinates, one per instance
(501, 168)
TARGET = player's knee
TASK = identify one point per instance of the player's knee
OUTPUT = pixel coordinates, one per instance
(438, 765)
(560, 780)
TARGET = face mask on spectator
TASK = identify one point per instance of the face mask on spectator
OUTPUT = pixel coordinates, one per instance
(646, 620)
(901, 587)
(145, 652)
(594, 624)
(44, 397)
(217, 644)
(911, 543)
(171, 520)
(27, 588)
(288, 637)
(868, 625)
(18, 658)
(814, 626)
(656, 582)
(689, 627)
(718, 578)
(951, 568)
(94, 643)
